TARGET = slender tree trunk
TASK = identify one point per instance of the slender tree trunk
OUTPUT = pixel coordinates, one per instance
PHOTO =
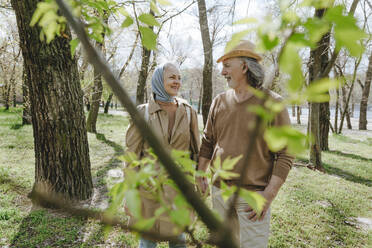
(365, 96)
(298, 114)
(337, 108)
(141, 84)
(14, 96)
(208, 60)
(293, 110)
(108, 102)
(200, 99)
(346, 111)
(97, 90)
(61, 146)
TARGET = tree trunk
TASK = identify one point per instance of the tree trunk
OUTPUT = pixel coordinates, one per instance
(208, 60)
(337, 108)
(315, 151)
(319, 123)
(142, 77)
(14, 96)
(61, 146)
(298, 114)
(97, 90)
(365, 95)
(346, 112)
(200, 99)
(293, 110)
(26, 115)
(108, 102)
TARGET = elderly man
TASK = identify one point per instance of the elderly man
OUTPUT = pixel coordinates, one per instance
(227, 133)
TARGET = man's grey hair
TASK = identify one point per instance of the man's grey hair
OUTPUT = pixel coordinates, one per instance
(255, 72)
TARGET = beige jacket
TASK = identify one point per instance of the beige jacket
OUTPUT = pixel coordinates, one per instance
(185, 136)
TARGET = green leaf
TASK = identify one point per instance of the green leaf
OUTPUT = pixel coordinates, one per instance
(50, 31)
(253, 199)
(148, 19)
(227, 175)
(318, 4)
(229, 164)
(227, 191)
(235, 39)
(164, 2)
(316, 29)
(148, 37)
(269, 41)
(181, 217)
(127, 22)
(74, 43)
(133, 201)
(347, 32)
(145, 224)
(245, 21)
(278, 138)
(321, 86)
(291, 63)
(153, 7)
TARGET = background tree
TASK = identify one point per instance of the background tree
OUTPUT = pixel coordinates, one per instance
(61, 147)
(208, 60)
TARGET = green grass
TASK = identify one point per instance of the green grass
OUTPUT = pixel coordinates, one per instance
(313, 209)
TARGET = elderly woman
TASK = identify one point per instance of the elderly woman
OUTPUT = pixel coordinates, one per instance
(175, 123)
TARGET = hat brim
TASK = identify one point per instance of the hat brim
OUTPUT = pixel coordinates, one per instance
(239, 53)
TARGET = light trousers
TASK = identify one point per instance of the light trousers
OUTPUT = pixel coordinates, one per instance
(248, 234)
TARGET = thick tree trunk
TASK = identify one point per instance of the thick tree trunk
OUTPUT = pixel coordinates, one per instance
(324, 118)
(315, 151)
(108, 102)
(26, 114)
(61, 146)
(208, 60)
(298, 114)
(365, 95)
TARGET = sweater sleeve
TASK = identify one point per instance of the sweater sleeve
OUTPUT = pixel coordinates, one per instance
(284, 160)
(208, 139)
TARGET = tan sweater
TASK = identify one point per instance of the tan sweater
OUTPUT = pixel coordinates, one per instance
(227, 133)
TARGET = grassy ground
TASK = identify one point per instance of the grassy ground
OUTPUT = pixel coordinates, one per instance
(313, 209)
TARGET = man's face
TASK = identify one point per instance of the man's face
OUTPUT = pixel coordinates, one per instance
(172, 80)
(234, 71)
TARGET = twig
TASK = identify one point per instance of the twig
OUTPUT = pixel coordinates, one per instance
(175, 173)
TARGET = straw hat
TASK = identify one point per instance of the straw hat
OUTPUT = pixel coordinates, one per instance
(243, 49)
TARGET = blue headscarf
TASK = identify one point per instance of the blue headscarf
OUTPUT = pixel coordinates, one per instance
(157, 83)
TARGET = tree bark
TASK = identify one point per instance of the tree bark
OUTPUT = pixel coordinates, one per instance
(97, 89)
(319, 112)
(208, 60)
(346, 112)
(62, 163)
(298, 114)
(26, 115)
(337, 108)
(365, 95)
(108, 102)
(142, 77)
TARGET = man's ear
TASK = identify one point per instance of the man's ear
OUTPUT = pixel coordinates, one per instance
(245, 68)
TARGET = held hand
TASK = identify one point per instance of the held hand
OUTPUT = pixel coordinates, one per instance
(253, 216)
(202, 183)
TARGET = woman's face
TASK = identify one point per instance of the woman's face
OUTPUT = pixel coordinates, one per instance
(172, 80)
